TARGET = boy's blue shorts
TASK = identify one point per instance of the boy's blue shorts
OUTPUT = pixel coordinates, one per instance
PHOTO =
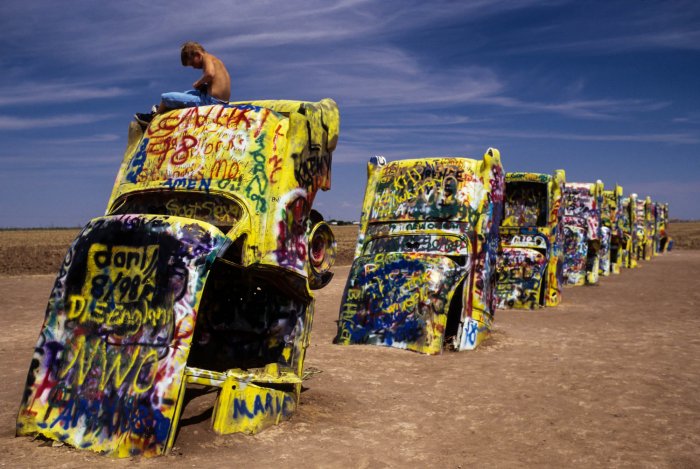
(191, 98)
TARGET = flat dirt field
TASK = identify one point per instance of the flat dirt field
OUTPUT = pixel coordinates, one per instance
(611, 378)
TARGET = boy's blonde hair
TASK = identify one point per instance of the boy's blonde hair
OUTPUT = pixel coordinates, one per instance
(188, 50)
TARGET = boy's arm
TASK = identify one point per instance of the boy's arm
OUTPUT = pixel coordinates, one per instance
(208, 71)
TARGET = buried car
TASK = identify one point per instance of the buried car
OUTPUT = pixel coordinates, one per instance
(530, 262)
(642, 229)
(612, 245)
(582, 235)
(664, 242)
(199, 273)
(423, 277)
(649, 229)
(611, 232)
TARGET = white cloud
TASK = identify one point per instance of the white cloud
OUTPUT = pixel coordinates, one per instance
(97, 138)
(24, 123)
(30, 93)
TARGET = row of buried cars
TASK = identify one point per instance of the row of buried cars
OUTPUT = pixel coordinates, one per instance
(444, 242)
(201, 273)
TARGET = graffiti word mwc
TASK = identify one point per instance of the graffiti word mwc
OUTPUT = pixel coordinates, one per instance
(91, 366)
(121, 273)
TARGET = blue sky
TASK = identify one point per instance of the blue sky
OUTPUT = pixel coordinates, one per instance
(604, 89)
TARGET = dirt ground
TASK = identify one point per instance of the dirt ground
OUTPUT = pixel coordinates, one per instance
(611, 378)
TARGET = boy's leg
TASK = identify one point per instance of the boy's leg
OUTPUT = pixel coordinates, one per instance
(177, 100)
(173, 100)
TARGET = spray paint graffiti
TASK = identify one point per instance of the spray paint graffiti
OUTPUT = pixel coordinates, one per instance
(640, 230)
(106, 371)
(664, 242)
(199, 273)
(425, 262)
(582, 232)
(530, 265)
(650, 235)
(614, 248)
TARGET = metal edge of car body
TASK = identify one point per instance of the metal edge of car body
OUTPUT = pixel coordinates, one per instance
(423, 276)
(202, 189)
(530, 264)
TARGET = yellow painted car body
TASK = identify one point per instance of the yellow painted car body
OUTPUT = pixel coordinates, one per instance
(582, 232)
(200, 272)
(531, 256)
(423, 277)
(613, 260)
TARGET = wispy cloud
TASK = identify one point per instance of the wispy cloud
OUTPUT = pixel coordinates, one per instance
(30, 93)
(582, 108)
(683, 39)
(24, 123)
(97, 138)
(679, 138)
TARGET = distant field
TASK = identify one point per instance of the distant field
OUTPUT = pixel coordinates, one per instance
(40, 251)
(33, 251)
(686, 235)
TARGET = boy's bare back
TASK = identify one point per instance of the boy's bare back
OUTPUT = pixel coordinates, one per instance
(215, 76)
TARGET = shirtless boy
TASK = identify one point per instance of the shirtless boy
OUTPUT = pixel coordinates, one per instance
(213, 87)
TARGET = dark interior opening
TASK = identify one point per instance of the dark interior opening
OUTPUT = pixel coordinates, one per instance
(214, 209)
(246, 319)
(526, 204)
(454, 315)
(614, 251)
(592, 255)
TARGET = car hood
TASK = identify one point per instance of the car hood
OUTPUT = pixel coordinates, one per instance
(108, 369)
(399, 300)
(520, 275)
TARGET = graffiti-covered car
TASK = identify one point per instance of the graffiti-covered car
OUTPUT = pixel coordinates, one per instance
(200, 272)
(642, 224)
(582, 235)
(423, 277)
(530, 262)
(612, 246)
(650, 229)
(664, 242)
